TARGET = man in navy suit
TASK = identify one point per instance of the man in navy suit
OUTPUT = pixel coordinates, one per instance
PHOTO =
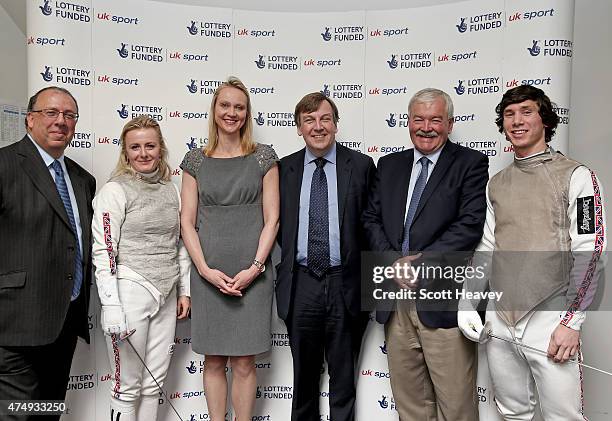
(428, 202)
(45, 269)
(324, 189)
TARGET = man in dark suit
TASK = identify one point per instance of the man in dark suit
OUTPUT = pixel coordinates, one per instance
(429, 202)
(45, 269)
(324, 189)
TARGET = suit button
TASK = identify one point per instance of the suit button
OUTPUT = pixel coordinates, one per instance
(70, 277)
(70, 248)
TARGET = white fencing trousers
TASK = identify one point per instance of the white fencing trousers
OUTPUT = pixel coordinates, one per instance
(517, 373)
(133, 392)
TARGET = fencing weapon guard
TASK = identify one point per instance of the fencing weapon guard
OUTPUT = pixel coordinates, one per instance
(486, 334)
(127, 338)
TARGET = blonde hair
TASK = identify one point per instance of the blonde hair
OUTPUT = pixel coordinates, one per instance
(247, 143)
(142, 122)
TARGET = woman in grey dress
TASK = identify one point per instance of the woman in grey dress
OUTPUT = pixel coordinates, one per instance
(229, 222)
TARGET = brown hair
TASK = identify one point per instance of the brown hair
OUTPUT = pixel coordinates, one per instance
(311, 103)
(549, 117)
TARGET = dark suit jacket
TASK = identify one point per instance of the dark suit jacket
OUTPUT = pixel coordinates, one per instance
(450, 216)
(355, 173)
(37, 247)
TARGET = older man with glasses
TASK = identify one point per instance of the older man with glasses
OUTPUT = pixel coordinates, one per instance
(45, 269)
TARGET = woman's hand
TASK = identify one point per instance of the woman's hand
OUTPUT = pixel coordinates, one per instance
(220, 280)
(244, 278)
(183, 305)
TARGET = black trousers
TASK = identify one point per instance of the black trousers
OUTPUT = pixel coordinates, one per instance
(40, 372)
(320, 326)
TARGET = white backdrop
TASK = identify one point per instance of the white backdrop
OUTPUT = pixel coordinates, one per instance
(122, 59)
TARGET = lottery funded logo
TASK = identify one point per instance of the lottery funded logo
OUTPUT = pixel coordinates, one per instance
(386, 403)
(488, 147)
(277, 62)
(397, 120)
(81, 381)
(65, 10)
(82, 140)
(477, 86)
(126, 111)
(530, 15)
(141, 52)
(483, 395)
(563, 113)
(196, 142)
(352, 144)
(195, 367)
(278, 391)
(203, 86)
(410, 60)
(343, 33)
(66, 75)
(343, 91)
(551, 48)
(279, 339)
(274, 119)
(210, 29)
(483, 22)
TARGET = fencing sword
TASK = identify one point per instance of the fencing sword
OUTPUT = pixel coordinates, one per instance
(487, 333)
(127, 339)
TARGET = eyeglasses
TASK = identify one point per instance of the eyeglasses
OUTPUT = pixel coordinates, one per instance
(53, 113)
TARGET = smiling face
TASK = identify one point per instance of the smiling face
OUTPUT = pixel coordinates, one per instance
(143, 149)
(52, 134)
(429, 125)
(523, 127)
(230, 111)
(318, 129)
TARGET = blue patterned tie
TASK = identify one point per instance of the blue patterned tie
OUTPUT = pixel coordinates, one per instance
(62, 189)
(318, 222)
(419, 186)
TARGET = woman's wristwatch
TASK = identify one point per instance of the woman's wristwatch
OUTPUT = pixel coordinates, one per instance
(260, 266)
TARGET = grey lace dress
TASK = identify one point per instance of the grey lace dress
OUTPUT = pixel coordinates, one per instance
(229, 223)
